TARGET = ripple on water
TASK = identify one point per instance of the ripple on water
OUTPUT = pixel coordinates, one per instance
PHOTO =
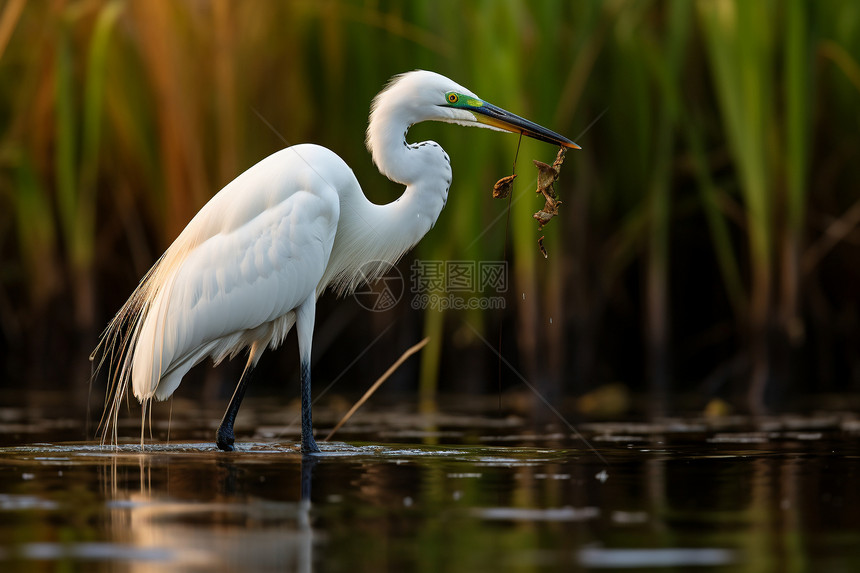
(537, 514)
(603, 558)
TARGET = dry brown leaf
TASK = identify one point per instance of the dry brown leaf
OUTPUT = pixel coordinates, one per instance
(541, 247)
(543, 217)
(503, 187)
(546, 175)
(559, 159)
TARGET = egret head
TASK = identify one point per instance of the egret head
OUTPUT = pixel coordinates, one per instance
(427, 96)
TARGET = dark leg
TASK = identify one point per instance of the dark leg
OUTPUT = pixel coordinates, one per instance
(308, 463)
(309, 445)
(224, 438)
(305, 332)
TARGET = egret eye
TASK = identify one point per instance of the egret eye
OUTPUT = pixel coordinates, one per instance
(453, 98)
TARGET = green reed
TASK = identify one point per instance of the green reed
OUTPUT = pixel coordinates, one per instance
(121, 119)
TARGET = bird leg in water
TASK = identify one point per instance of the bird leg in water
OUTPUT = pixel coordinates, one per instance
(309, 445)
(224, 437)
(305, 314)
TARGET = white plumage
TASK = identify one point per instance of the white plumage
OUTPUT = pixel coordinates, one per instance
(248, 268)
(252, 261)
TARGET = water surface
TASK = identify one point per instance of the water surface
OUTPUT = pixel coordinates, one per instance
(771, 495)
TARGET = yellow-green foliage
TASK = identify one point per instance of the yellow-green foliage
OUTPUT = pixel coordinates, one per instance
(120, 119)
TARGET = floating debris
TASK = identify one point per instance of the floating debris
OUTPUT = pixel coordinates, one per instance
(541, 247)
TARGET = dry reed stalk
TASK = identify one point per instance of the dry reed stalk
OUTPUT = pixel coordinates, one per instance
(376, 385)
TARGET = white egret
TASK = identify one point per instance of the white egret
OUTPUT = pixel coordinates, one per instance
(254, 259)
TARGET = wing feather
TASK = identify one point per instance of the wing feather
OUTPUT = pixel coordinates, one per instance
(262, 264)
(230, 280)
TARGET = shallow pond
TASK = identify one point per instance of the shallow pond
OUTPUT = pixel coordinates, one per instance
(772, 495)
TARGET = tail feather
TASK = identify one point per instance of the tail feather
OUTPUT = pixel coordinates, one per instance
(141, 362)
(120, 341)
(116, 347)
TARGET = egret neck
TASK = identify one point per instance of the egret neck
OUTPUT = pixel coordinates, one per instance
(383, 233)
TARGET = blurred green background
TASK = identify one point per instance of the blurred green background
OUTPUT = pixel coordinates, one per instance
(708, 245)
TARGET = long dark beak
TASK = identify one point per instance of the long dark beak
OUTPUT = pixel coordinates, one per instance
(501, 119)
